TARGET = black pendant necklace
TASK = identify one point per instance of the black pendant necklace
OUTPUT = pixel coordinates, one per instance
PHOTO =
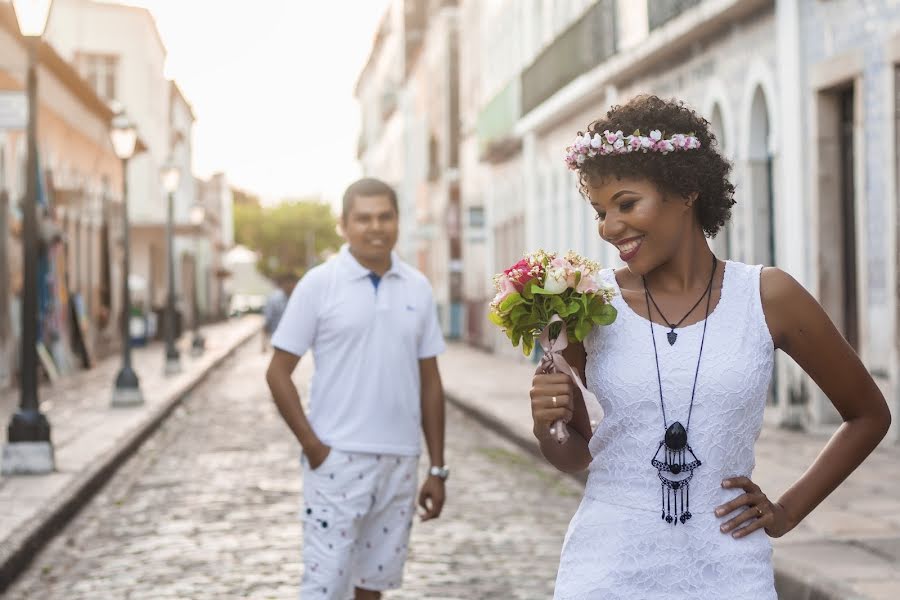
(671, 335)
(674, 455)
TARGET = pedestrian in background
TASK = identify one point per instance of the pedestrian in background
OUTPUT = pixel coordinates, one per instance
(275, 305)
(371, 322)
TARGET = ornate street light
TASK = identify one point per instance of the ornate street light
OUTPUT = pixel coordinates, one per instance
(124, 139)
(29, 449)
(171, 175)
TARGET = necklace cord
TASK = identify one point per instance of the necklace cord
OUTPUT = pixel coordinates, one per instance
(648, 298)
(696, 304)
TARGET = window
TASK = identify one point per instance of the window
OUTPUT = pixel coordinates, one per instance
(99, 70)
(476, 217)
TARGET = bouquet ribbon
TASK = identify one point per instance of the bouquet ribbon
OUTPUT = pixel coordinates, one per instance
(553, 362)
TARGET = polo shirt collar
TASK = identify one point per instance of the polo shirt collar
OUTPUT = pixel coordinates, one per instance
(354, 270)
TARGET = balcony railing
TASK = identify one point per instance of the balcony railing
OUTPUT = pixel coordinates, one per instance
(586, 44)
(496, 122)
(660, 12)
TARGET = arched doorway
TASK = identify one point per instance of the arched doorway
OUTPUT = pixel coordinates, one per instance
(761, 182)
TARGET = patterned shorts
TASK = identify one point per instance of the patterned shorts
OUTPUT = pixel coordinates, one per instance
(357, 516)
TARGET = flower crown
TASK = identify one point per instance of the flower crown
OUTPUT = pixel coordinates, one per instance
(610, 142)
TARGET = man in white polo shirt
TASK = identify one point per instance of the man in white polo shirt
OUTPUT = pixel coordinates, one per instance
(371, 323)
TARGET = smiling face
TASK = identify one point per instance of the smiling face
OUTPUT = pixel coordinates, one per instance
(370, 226)
(641, 222)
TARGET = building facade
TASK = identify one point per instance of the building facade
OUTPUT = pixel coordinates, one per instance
(410, 137)
(119, 52)
(79, 207)
(802, 94)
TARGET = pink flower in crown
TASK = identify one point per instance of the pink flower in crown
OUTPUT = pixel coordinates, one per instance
(664, 146)
(611, 137)
(679, 140)
(634, 142)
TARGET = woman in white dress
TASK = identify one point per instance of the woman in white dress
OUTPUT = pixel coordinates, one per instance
(670, 510)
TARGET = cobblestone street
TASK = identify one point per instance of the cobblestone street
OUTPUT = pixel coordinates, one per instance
(208, 508)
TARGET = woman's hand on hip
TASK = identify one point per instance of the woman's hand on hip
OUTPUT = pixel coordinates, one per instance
(754, 511)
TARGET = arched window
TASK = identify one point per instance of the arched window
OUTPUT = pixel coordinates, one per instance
(761, 171)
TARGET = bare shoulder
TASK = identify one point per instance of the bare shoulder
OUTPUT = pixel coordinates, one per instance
(788, 307)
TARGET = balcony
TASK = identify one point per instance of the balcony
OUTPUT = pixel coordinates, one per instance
(587, 43)
(660, 12)
(495, 124)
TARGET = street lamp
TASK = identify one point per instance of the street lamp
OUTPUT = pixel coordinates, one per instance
(198, 343)
(124, 140)
(29, 449)
(171, 174)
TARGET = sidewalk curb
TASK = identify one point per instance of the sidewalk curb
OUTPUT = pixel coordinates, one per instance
(23, 545)
(789, 585)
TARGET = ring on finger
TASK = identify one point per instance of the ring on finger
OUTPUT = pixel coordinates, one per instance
(554, 400)
(759, 511)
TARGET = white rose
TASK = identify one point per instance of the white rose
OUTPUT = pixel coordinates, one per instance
(556, 281)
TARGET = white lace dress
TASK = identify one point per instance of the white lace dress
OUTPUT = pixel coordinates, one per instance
(617, 546)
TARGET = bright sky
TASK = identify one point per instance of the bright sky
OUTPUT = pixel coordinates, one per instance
(271, 83)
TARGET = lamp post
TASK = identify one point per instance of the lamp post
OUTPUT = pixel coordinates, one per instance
(127, 391)
(198, 343)
(29, 450)
(171, 175)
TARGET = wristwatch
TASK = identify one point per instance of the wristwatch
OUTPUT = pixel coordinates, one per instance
(440, 472)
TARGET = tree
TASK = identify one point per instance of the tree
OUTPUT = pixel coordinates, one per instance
(290, 237)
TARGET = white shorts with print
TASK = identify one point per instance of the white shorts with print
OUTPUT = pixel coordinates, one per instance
(357, 516)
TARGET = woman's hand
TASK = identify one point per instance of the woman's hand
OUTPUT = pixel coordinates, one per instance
(551, 401)
(754, 508)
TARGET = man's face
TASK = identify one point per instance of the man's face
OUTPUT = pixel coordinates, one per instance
(370, 227)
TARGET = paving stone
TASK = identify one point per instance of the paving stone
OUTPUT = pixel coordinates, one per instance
(209, 508)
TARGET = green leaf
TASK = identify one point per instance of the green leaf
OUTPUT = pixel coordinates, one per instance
(518, 313)
(582, 329)
(539, 290)
(606, 315)
(526, 291)
(496, 319)
(511, 301)
(527, 346)
(557, 305)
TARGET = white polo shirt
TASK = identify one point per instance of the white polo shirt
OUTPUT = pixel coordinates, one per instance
(366, 343)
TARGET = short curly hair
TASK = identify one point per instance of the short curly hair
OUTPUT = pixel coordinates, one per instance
(704, 170)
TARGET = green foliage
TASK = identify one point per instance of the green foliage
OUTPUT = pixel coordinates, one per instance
(289, 236)
(523, 315)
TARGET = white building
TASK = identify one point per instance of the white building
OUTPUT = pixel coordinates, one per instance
(384, 150)
(802, 95)
(118, 51)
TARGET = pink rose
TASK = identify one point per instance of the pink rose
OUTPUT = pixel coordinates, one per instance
(506, 287)
(587, 285)
(520, 273)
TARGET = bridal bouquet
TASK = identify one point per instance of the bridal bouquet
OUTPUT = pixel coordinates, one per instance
(553, 299)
